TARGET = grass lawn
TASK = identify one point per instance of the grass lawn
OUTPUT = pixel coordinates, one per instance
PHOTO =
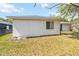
(60, 45)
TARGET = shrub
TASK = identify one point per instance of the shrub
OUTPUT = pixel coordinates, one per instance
(76, 33)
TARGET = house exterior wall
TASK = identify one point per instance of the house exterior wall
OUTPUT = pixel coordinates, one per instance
(65, 27)
(25, 28)
(4, 30)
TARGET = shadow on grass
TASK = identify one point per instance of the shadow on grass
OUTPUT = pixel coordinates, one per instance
(66, 33)
(74, 37)
(71, 35)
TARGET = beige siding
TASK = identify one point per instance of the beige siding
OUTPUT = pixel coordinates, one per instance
(65, 27)
(33, 28)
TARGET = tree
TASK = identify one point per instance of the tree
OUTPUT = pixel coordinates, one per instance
(6, 20)
(49, 7)
(70, 10)
(9, 20)
(2, 19)
(76, 21)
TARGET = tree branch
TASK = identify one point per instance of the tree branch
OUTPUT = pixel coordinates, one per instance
(74, 13)
(35, 5)
(74, 5)
(52, 6)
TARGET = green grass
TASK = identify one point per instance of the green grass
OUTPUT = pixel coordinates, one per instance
(3, 37)
(61, 45)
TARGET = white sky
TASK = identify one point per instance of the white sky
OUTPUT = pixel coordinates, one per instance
(39, 1)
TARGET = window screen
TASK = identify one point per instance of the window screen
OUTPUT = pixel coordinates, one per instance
(49, 25)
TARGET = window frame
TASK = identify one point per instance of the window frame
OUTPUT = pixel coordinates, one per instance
(49, 25)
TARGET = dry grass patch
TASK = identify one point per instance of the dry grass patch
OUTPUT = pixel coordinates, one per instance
(41, 46)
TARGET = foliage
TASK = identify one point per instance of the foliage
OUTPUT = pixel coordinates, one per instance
(76, 33)
(59, 18)
(76, 21)
(10, 20)
(2, 19)
(6, 20)
(69, 10)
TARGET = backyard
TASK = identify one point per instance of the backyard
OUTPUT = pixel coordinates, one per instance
(60, 45)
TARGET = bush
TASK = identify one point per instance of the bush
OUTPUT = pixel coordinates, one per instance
(76, 33)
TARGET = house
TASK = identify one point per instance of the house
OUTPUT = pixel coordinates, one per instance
(65, 26)
(5, 27)
(29, 26)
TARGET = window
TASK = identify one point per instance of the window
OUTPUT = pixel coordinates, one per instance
(7, 27)
(49, 25)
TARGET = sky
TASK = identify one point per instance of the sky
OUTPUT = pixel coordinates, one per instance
(26, 9)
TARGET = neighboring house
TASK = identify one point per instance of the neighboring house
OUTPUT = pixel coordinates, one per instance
(65, 26)
(5, 27)
(28, 26)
